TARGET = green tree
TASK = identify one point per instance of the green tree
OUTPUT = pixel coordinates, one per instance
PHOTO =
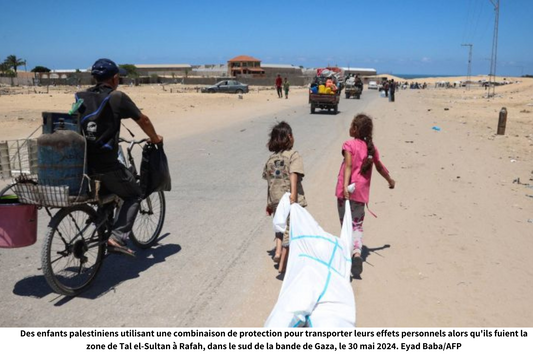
(130, 69)
(4, 68)
(13, 62)
(40, 69)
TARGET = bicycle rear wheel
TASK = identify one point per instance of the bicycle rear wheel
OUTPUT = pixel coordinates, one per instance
(149, 221)
(73, 250)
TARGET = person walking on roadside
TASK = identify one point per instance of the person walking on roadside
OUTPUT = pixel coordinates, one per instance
(101, 114)
(279, 84)
(286, 86)
(283, 171)
(353, 182)
(392, 90)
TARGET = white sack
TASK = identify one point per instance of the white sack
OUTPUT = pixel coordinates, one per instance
(282, 212)
(316, 290)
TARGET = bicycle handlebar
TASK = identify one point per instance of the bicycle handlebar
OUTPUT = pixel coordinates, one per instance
(124, 140)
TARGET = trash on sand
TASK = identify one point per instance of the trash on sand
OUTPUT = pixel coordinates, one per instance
(446, 109)
(409, 141)
(530, 220)
(435, 128)
(513, 160)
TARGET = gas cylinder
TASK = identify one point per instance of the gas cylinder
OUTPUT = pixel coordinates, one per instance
(61, 158)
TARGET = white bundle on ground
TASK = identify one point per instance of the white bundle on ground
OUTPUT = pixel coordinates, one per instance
(316, 290)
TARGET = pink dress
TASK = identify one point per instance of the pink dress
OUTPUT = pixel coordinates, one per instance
(357, 148)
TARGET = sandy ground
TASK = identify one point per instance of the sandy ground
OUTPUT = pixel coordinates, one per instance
(452, 244)
(460, 228)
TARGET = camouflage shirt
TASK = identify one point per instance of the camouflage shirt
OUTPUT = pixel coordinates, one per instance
(277, 172)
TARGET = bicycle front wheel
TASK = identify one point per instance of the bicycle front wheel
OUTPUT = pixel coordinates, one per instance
(73, 250)
(149, 221)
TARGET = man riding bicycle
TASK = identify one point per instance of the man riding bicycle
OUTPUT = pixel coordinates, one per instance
(101, 113)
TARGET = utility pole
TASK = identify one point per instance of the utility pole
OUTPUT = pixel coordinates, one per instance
(492, 74)
(469, 72)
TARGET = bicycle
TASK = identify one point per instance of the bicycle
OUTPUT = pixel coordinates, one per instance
(76, 240)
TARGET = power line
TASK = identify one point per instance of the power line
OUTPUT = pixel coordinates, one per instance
(469, 71)
(467, 20)
(492, 74)
(477, 18)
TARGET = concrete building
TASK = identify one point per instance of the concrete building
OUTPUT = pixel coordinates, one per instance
(359, 71)
(244, 65)
(64, 77)
(164, 70)
(63, 73)
(210, 70)
(285, 70)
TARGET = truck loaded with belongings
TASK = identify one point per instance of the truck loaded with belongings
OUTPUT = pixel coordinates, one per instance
(325, 90)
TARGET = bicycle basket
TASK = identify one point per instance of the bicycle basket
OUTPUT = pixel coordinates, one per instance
(29, 192)
(18, 157)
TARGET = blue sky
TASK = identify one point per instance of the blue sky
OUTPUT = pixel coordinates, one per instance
(395, 36)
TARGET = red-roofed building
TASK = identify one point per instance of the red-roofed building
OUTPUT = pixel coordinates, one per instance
(245, 65)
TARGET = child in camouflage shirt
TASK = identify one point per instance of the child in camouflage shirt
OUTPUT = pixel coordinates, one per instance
(283, 171)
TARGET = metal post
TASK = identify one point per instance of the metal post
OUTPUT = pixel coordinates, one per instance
(469, 72)
(492, 77)
(502, 121)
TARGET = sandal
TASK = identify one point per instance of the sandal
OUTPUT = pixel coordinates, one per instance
(120, 250)
(115, 246)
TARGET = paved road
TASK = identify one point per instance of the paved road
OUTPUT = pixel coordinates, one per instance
(212, 267)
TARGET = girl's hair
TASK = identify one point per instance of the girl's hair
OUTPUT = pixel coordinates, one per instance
(365, 127)
(280, 138)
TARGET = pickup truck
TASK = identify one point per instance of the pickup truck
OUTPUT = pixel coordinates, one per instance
(327, 100)
(324, 101)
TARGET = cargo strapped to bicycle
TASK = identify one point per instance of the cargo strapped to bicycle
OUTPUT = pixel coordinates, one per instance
(29, 192)
(36, 178)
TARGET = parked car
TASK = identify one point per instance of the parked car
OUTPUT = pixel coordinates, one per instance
(231, 86)
(372, 84)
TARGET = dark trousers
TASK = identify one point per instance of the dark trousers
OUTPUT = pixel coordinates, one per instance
(121, 182)
(280, 92)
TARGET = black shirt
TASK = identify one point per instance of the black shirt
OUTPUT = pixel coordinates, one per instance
(101, 114)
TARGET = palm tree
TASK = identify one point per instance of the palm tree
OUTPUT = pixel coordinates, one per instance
(13, 62)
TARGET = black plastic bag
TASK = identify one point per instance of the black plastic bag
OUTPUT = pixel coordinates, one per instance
(155, 174)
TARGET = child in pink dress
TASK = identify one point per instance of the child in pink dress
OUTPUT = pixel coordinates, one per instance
(359, 154)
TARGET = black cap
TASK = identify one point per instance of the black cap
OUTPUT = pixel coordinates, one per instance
(105, 68)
